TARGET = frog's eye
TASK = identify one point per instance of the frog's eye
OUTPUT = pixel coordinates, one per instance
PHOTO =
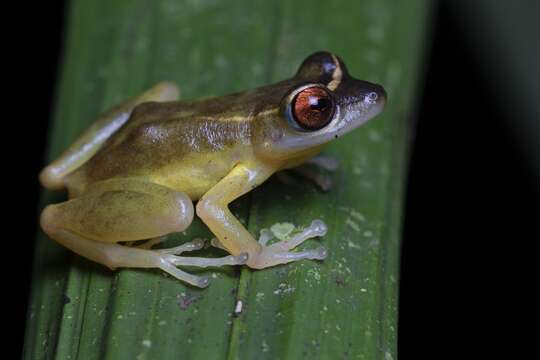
(312, 108)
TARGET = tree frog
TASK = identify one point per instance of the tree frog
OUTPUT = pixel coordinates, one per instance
(134, 174)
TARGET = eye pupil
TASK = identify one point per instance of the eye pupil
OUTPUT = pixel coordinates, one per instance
(317, 103)
(312, 108)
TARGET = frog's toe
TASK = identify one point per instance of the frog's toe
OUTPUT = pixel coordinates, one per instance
(171, 269)
(195, 244)
(320, 253)
(206, 262)
(273, 256)
(265, 236)
(147, 245)
(215, 243)
(323, 181)
(203, 282)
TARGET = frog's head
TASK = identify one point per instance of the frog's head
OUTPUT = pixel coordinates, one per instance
(320, 103)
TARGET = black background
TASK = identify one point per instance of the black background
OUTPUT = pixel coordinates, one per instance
(471, 203)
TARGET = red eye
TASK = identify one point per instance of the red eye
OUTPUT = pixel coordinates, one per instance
(312, 108)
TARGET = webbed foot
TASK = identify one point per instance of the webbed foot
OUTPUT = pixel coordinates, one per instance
(280, 252)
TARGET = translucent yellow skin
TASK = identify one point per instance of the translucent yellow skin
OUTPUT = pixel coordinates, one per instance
(134, 174)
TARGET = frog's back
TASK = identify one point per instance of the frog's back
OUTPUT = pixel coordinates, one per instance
(168, 143)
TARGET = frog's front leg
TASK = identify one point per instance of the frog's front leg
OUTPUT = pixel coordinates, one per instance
(233, 236)
(128, 210)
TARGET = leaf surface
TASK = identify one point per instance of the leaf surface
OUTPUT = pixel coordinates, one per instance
(344, 307)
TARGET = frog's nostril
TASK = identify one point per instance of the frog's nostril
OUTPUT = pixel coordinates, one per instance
(373, 96)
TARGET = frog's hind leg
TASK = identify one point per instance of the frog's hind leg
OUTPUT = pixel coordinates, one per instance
(114, 256)
(128, 210)
(91, 140)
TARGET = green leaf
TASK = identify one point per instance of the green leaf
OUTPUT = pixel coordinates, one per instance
(344, 307)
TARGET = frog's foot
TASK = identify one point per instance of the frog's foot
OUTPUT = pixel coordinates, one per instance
(197, 244)
(308, 170)
(280, 252)
(167, 261)
(326, 162)
(322, 181)
(169, 256)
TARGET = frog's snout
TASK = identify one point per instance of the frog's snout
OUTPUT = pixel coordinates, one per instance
(373, 99)
(381, 92)
(376, 95)
(369, 96)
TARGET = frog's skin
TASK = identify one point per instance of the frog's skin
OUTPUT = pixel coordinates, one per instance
(134, 174)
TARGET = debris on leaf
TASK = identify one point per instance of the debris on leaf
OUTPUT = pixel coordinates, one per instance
(185, 300)
(238, 308)
(282, 231)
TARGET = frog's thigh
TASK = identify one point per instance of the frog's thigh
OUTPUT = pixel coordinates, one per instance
(124, 212)
(91, 140)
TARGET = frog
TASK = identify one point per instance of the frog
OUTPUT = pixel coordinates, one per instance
(134, 175)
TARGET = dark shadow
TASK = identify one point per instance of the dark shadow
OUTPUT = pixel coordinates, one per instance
(470, 199)
(35, 54)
